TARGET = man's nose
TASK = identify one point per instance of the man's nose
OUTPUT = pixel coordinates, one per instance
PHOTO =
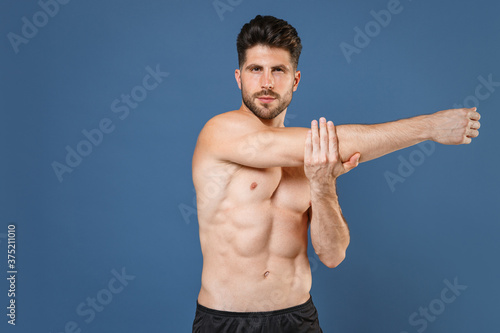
(267, 81)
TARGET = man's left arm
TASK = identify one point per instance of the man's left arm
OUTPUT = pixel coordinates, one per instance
(332, 151)
(322, 166)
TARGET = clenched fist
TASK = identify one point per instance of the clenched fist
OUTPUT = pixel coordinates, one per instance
(322, 163)
(455, 126)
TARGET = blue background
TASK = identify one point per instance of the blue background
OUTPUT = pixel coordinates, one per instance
(129, 204)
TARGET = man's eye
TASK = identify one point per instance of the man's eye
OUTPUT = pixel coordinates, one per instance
(255, 69)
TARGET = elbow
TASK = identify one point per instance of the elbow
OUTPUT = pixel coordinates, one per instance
(333, 261)
(332, 257)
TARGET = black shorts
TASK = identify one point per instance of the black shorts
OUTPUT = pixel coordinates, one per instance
(297, 319)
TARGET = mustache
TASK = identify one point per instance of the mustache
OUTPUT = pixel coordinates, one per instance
(266, 92)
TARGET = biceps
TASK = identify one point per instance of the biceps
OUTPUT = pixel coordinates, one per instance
(253, 150)
(262, 148)
(270, 148)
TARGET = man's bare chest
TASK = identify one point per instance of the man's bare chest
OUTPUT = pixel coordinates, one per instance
(284, 187)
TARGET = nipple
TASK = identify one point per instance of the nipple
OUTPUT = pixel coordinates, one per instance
(266, 273)
(254, 185)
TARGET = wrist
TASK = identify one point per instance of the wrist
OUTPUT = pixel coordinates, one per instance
(427, 127)
(324, 189)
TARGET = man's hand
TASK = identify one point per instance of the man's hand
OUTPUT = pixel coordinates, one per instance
(455, 126)
(322, 163)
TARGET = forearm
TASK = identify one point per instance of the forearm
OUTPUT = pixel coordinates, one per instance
(329, 230)
(376, 140)
(371, 141)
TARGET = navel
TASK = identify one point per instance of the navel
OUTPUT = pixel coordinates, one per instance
(266, 273)
(253, 186)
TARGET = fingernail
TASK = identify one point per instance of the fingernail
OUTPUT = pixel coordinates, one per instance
(322, 119)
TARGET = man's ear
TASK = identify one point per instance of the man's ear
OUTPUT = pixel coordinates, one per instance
(296, 80)
(237, 76)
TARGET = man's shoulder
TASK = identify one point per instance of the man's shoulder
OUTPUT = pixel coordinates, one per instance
(235, 117)
(228, 124)
(214, 141)
(223, 135)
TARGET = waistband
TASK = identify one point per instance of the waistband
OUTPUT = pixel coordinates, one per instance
(299, 307)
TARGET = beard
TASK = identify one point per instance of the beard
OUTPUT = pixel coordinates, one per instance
(266, 111)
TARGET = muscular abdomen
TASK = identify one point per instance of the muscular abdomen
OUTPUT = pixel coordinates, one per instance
(253, 234)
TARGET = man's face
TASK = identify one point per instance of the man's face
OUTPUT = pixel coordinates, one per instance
(267, 81)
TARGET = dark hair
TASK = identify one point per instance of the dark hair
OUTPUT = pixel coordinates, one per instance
(269, 31)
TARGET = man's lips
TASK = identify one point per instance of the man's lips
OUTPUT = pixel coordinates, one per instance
(266, 99)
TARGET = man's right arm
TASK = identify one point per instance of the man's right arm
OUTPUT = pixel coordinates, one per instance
(244, 140)
(449, 127)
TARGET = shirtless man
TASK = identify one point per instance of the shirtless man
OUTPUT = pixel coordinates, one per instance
(260, 186)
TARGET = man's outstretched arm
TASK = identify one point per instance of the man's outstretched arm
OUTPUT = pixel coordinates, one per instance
(450, 127)
(245, 140)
